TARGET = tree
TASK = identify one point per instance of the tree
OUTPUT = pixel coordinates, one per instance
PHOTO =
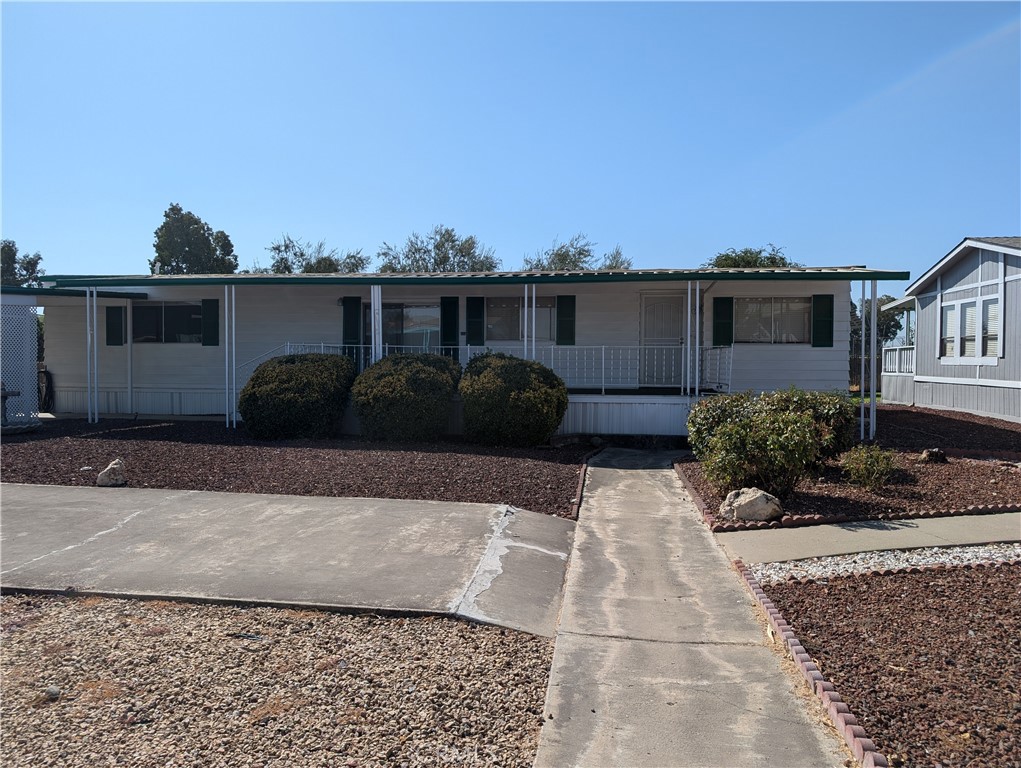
(439, 251)
(293, 255)
(770, 256)
(888, 322)
(19, 270)
(186, 245)
(575, 255)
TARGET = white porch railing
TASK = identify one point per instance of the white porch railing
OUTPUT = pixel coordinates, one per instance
(596, 368)
(899, 360)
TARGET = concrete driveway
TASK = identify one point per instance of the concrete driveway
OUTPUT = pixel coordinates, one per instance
(486, 562)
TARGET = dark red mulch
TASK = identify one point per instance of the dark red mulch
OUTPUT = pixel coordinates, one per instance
(929, 663)
(915, 486)
(197, 455)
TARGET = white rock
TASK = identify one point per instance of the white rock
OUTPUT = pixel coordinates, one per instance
(751, 504)
(113, 475)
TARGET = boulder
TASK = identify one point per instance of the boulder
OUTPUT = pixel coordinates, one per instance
(113, 476)
(934, 456)
(751, 504)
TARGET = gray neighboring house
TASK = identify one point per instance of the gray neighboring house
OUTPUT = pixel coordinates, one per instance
(967, 347)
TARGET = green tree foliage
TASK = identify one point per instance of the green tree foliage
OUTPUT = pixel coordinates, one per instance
(869, 466)
(769, 256)
(186, 245)
(406, 396)
(575, 255)
(292, 255)
(888, 322)
(442, 250)
(23, 270)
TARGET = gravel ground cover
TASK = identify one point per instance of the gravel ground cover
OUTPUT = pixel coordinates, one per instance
(959, 483)
(97, 682)
(928, 662)
(206, 456)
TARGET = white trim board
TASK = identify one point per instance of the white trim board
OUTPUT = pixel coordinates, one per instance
(1004, 384)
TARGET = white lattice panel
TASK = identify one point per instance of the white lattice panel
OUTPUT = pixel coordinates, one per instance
(18, 367)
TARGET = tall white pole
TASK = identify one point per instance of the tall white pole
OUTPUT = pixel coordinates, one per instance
(861, 378)
(687, 337)
(698, 336)
(88, 356)
(226, 358)
(872, 365)
(130, 323)
(234, 352)
(524, 353)
(533, 322)
(95, 350)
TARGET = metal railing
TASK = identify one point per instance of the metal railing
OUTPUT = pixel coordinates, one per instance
(603, 367)
(899, 360)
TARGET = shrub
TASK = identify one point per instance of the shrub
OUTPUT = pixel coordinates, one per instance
(709, 414)
(296, 396)
(832, 412)
(406, 396)
(868, 465)
(768, 449)
(510, 401)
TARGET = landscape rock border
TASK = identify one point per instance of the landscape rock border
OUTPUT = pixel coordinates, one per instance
(863, 748)
(798, 521)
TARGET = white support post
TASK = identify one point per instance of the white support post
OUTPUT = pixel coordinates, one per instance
(227, 362)
(861, 377)
(88, 356)
(233, 353)
(131, 355)
(524, 352)
(872, 367)
(698, 336)
(687, 340)
(376, 309)
(533, 322)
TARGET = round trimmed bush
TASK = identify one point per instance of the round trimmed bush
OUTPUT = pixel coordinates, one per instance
(711, 413)
(832, 412)
(296, 396)
(510, 401)
(406, 396)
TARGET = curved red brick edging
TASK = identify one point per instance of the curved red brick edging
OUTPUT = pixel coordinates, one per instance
(800, 521)
(576, 506)
(847, 726)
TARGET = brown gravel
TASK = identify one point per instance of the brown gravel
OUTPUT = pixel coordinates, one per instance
(166, 684)
(959, 483)
(206, 456)
(929, 662)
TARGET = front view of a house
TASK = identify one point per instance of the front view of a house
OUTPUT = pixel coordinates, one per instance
(635, 348)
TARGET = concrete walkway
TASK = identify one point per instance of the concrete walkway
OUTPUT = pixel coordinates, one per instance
(781, 544)
(479, 561)
(660, 660)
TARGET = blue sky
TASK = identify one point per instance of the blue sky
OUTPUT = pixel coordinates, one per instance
(847, 133)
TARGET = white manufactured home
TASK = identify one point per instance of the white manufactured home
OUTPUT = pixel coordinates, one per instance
(636, 348)
(966, 354)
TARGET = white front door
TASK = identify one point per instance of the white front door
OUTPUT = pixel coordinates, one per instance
(662, 336)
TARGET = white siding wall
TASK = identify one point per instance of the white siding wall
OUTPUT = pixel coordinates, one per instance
(764, 367)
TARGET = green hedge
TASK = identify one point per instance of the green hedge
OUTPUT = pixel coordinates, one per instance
(297, 396)
(510, 401)
(406, 396)
(770, 441)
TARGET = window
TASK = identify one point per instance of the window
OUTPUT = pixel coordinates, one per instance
(991, 328)
(773, 320)
(970, 330)
(169, 322)
(406, 325)
(949, 332)
(504, 321)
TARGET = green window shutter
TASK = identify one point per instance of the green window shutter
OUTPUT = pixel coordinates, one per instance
(822, 320)
(351, 311)
(449, 321)
(565, 320)
(210, 322)
(723, 321)
(115, 323)
(475, 320)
